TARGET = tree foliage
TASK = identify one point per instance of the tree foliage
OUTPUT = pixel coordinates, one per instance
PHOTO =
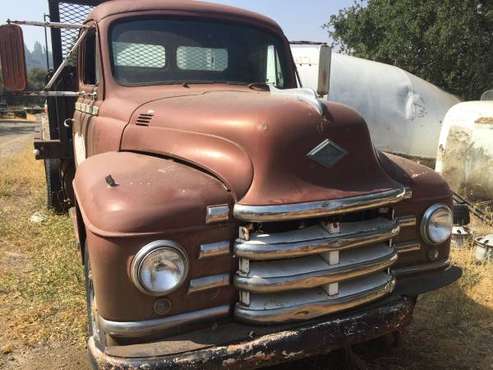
(446, 42)
(36, 78)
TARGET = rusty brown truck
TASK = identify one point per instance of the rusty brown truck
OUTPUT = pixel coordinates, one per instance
(226, 217)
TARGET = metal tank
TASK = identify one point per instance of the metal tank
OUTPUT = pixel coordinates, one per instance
(465, 153)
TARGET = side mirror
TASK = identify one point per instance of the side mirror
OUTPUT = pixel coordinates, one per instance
(324, 70)
(12, 58)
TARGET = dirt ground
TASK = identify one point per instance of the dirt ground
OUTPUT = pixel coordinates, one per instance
(15, 135)
(43, 327)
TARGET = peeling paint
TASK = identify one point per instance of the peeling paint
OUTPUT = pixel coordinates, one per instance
(261, 356)
(292, 355)
(314, 338)
(484, 120)
(229, 362)
(465, 155)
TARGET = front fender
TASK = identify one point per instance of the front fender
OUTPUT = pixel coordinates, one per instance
(151, 199)
(149, 194)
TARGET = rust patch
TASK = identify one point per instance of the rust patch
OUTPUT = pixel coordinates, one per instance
(454, 157)
(484, 120)
(271, 349)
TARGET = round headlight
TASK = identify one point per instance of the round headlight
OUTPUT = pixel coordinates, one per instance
(436, 225)
(159, 268)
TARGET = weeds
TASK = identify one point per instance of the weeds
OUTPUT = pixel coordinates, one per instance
(41, 287)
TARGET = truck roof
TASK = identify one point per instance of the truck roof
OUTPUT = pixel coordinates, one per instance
(180, 7)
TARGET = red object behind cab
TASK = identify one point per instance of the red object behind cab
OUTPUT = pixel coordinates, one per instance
(12, 58)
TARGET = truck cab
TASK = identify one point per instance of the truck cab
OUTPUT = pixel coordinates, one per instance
(226, 216)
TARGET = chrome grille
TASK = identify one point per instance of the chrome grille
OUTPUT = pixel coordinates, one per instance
(316, 239)
(311, 303)
(318, 268)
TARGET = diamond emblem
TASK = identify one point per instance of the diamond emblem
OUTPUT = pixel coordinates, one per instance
(327, 153)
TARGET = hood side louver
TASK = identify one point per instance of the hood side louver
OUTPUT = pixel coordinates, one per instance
(144, 119)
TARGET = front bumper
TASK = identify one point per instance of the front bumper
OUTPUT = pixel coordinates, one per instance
(238, 346)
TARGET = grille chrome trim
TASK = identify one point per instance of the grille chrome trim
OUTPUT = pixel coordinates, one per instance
(407, 221)
(219, 213)
(137, 329)
(284, 212)
(315, 239)
(214, 249)
(208, 282)
(295, 306)
(313, 271)
(406, 247)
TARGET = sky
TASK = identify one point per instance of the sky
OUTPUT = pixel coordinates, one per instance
(300, 19)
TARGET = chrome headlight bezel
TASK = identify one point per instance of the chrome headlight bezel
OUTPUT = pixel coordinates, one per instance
(146, 251)
(426, 222)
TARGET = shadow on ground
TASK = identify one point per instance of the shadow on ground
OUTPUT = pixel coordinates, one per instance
(449, 331)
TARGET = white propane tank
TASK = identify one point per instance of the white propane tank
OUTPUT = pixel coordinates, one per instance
(465, 152)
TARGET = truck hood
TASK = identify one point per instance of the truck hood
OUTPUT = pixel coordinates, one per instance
(258, 145)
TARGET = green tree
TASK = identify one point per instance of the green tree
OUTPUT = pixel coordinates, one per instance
(446, 42)
(36, 79)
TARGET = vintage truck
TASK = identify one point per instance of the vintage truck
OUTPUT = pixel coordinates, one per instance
(226, 217)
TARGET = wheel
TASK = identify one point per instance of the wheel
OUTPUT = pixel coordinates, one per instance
(461, 214)
(54, 190)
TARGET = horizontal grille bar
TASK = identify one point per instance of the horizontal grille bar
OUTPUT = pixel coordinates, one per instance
(314, 271)
(310, 303)
(315, 239)
(296, 211)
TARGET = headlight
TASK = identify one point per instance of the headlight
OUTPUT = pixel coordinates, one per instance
(436, 225)
(159, 268)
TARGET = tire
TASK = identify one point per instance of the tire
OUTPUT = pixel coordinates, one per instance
(461, 214)
(54, 189)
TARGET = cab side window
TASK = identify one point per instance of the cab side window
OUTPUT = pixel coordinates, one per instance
(90, 70)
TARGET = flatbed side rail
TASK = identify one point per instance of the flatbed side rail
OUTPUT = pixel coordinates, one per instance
(71, 13)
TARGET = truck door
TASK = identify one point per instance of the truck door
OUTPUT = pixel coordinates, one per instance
(87, 106)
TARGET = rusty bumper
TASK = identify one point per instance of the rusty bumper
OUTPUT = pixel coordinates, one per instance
(237, 346)
(310, 339)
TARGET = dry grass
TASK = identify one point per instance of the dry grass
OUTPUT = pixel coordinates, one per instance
(452, 327)
(41, 290)
(41, 286)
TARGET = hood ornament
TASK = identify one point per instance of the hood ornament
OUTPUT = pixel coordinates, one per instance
(327, 153)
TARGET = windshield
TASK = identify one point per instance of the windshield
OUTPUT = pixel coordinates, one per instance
(160, 51)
